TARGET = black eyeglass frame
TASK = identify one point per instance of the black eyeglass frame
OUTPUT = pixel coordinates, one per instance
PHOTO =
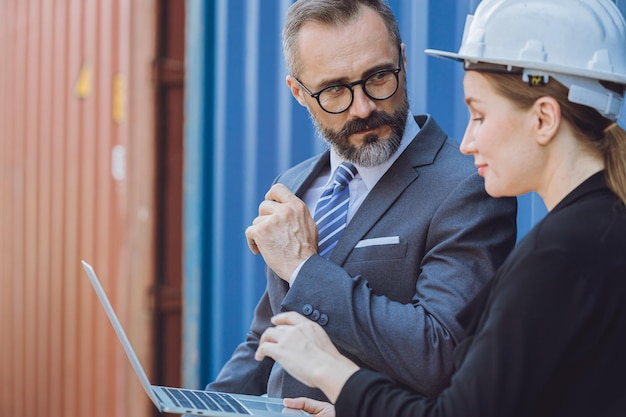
(349, 86)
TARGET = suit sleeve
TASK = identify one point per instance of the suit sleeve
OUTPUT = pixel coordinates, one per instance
(468, 237)
(242, 373)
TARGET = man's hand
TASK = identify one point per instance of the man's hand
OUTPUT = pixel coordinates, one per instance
(304, 350)
(284, 232)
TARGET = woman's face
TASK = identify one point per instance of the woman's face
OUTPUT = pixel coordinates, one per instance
(498, 135)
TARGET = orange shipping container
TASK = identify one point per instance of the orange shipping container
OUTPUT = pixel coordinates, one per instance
(76, 182)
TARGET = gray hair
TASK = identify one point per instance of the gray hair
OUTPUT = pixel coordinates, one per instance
(332, 13)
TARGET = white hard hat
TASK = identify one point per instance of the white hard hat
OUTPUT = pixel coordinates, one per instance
(578, 42)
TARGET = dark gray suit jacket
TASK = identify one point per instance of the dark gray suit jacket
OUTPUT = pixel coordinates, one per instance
(390, 307)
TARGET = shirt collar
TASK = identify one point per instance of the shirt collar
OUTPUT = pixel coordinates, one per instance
(371, 175)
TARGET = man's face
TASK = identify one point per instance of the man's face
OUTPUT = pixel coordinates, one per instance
(369, 132)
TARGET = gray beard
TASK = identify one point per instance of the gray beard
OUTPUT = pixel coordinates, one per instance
(375, 150)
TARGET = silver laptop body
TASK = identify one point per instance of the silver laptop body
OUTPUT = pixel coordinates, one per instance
(186, 401)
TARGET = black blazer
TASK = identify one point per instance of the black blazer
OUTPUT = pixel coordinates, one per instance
(547, 337)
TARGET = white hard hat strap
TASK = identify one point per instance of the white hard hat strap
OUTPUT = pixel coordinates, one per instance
(608, 104)
(585, 91)
(590, 92)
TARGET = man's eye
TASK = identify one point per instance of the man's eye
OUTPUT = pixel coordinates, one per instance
(334, 90)
(381, 77)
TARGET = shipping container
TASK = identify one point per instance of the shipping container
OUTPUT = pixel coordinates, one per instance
(77, 164)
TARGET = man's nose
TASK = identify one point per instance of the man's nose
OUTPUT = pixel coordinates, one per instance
(362, 105)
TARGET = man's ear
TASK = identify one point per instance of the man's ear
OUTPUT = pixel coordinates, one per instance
(296, 90)
(547, 119)
(403, 52)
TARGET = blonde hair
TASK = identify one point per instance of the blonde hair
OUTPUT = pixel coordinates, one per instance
(590, 126)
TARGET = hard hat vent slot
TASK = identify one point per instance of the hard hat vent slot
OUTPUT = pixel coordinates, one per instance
(475, 45)
(601, 61)
(533, 51)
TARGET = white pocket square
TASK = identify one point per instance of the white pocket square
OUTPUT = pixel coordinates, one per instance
(389, 240)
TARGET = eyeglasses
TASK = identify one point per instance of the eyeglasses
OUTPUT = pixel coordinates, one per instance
(338, 98)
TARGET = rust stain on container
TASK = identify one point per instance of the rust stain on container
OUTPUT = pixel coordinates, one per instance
(83, 85)
(119, 98)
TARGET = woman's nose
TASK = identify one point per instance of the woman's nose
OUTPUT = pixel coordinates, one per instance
(468, 145)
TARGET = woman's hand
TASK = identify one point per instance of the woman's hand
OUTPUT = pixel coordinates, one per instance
(305, 351)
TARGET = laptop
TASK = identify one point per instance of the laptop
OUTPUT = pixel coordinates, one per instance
(186, 401)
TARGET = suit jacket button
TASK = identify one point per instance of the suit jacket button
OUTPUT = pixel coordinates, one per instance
(307, 309)
(315, 315)
(323, 321)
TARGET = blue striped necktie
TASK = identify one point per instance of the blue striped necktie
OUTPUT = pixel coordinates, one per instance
(332, 209)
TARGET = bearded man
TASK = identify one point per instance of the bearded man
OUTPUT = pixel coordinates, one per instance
(407, 234)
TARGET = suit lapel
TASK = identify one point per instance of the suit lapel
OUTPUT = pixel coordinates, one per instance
(299, 181)
(422, 151)
(399, 176)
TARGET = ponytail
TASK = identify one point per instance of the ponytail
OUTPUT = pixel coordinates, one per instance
(613, 147)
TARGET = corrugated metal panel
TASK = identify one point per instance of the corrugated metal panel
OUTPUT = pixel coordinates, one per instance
(76, 132)
(243, 128)
(196, 191)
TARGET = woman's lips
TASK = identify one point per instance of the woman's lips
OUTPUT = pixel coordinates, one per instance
(481, 169)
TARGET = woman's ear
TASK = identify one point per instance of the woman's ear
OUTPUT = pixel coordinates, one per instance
(547, 119)
(296, 90)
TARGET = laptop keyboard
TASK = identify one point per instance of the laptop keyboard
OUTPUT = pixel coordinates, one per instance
(205, 400)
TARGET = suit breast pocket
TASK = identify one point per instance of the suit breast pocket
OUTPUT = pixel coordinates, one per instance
(378, 253)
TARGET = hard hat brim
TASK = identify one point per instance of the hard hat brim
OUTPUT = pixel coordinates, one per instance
(541, 66)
